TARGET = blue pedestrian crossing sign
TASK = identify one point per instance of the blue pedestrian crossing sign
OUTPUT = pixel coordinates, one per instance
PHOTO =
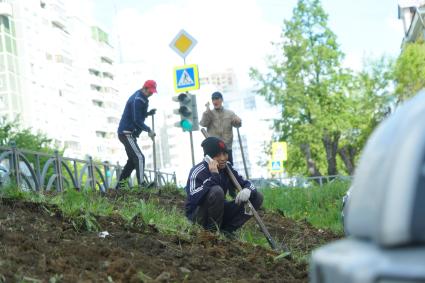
(276, 166)
(186, 78)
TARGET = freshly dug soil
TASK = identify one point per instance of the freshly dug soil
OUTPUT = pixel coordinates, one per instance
(38, 244)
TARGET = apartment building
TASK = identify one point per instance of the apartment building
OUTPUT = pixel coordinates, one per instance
(57, 76)
(412, 13)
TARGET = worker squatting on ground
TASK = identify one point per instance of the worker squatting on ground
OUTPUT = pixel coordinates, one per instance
(206, 189)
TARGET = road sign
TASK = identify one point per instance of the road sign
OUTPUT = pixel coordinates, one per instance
(276, 166)
(279, 151)
(186, 78)
(183, 43)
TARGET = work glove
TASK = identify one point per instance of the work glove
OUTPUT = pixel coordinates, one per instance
(151, 112)
(151, 134)
(243, 196)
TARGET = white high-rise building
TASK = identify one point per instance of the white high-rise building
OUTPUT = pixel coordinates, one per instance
(57, 76)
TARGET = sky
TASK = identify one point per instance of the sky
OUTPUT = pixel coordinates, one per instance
(237, 34)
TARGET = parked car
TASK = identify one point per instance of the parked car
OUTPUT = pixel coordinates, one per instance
(262, 183)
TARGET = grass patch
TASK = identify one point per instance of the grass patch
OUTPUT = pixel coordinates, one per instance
(320, 206)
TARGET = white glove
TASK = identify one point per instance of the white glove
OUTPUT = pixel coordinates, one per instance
(151, 134)
(243, 196)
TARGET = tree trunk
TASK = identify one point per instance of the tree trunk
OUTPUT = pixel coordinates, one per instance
(330, 142)
(311, 165)
(347, 154)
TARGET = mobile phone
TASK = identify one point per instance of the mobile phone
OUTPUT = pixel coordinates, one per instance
(208, 159)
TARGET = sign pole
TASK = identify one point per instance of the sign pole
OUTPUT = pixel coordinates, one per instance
(182, 44)
(191, 148)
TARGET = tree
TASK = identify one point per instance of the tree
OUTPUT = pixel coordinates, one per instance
(370, 100)
(24, 137)
(409, 71)
(310, 85)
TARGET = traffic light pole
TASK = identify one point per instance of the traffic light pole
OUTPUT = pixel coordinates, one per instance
(191, 148)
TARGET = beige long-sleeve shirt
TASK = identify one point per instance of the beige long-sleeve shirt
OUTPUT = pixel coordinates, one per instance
(219, 123)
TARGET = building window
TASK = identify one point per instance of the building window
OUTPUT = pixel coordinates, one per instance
(99, 35)
(100, 134)
(112, 120)
(97, 103)
(106, 60)
(95, 87)
(108, 75)
(94, 72)
(72, 145)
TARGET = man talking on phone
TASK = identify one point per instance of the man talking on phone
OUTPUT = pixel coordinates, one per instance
(207, 186)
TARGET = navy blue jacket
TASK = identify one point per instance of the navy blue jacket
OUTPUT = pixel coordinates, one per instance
(134, 115)
(201, 180)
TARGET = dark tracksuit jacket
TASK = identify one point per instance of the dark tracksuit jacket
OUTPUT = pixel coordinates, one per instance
(200, 180)
(134, 115)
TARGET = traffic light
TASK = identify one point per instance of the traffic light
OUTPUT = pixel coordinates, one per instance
(188, 112)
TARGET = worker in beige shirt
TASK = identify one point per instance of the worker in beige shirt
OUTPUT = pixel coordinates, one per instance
(219, 122)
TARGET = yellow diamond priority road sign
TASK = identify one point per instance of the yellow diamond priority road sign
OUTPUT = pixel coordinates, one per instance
(183, 43)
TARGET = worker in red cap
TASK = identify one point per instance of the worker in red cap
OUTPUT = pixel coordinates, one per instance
(132, 124)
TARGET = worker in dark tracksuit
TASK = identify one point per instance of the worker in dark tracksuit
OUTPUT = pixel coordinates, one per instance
(131, 125)
(206, 189)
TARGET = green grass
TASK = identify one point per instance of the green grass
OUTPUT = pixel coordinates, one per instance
(321, 206)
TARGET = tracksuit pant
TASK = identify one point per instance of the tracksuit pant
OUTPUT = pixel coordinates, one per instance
(216, 212)
(136, 159)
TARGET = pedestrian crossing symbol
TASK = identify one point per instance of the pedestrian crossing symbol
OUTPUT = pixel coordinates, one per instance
(186, 78)
(276, 166)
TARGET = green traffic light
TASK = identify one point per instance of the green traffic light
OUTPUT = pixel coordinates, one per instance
(186, 125)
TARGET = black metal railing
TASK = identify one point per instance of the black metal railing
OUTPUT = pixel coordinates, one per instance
(38, 171)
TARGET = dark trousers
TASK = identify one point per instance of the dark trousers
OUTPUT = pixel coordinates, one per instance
(136, 159)
(215, 212)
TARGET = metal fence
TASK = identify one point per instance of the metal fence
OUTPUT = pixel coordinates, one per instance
(38, 171)
(297, 181)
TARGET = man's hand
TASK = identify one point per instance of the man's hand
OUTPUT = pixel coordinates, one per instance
(212, 164)
(151, 134)
(237, 122)
(207, 106)
(151, 112)
(243, 196)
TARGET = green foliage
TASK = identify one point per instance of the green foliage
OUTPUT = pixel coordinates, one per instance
(308, 82)
(409, 71)
(73, 202)
(11, 191)
(328, 111)
(321, 206)
(137, 212)
(24, 137)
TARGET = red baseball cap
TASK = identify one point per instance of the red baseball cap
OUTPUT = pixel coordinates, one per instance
(150, 85)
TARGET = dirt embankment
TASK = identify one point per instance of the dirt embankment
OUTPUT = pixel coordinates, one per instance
(37, 244)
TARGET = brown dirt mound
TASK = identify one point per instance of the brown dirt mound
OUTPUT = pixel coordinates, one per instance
(38, 245)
